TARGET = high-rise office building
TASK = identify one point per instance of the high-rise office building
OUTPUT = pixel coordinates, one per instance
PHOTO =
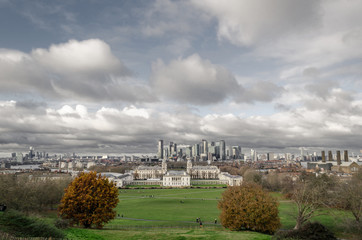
(165, 153)
(229, 152)
(205, 149)
(253, 155)
(188, 151)
(31, 152)
(196, 150)
(270, 156)
(222, 150)
(160, 149)
(236, 152)
(170, 149)
(19, 157)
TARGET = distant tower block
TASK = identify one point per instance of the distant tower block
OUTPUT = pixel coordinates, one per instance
(330, 157)
(323, 156)
(339, 157)
(205, 147)
(160, 149)
(345, 155)
(222, 150)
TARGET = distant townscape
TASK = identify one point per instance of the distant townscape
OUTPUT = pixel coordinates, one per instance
(203, 163)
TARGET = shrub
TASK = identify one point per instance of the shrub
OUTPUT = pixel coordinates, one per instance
(61, 223)
(20, 225)
(352, 226)
(309, 231)
(249, 207)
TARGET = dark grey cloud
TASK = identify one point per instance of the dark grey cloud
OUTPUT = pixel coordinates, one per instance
(327, 96)
(193, 80)
(251, 22)
(261, 91)
(78, 70)
(197, 81)
(321, 88)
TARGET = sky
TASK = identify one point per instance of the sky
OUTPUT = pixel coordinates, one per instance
(117, 76)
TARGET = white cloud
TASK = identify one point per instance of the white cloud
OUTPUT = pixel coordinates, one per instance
(136, 112)
(76, 127)
(74, 57)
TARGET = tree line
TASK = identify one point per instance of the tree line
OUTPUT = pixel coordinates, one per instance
(31, 192)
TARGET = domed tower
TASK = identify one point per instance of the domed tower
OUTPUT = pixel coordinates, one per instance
(189, 166)
(164, 166)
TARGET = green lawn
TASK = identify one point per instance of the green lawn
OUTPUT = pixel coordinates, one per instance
(331, 218)
(169, 204)
(172, 213)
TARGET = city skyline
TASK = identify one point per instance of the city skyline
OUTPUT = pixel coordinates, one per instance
(117, 76)
(219, 151)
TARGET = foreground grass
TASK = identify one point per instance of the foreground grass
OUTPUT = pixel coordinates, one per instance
(171, 214)
(156, 234)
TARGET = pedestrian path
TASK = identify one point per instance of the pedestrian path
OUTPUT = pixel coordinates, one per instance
(173, 221)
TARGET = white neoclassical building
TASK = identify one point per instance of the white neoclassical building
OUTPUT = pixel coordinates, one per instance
(118, 178)
(153, 172)
(232, 180)
(176, 179)
(202, 172)
(200, 175)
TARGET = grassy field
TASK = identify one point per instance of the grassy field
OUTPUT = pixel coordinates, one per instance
(172, 213)
(176, 206)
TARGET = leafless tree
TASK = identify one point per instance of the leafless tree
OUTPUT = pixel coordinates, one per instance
(350, 195)
(312, 196)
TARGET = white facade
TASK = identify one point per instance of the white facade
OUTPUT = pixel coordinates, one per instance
(90, 164)
(202, 172)
(233, 180)
(176, 179)
(118, 178)
(146, 172)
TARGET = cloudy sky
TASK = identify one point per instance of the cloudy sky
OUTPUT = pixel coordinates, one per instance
(116, 76)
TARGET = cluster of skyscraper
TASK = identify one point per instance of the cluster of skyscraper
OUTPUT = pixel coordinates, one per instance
(20, 157)
(203, 150)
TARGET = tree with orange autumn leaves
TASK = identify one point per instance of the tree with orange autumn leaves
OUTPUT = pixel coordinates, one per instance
(89, 200)
(248, 207)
